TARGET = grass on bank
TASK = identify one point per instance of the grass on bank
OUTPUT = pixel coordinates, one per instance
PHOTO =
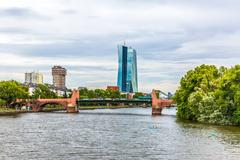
(7, 110)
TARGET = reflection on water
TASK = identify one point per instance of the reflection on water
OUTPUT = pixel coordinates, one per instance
(114, 134)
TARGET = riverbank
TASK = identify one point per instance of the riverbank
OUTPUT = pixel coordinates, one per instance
(10, 111)
(103, 107)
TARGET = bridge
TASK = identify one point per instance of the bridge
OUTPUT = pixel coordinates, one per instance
(69, 104)
(72, 104)
(156, 103)
(119, 102)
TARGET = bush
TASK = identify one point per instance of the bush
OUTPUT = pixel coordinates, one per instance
(2, 103)
(210, 95)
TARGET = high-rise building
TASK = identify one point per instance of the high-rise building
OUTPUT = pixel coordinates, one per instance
(59, 77)
(34, 78)
(127, 69)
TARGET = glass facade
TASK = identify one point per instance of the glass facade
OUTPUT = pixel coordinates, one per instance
(127, 69)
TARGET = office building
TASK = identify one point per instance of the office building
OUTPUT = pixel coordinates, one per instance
(59, 77)
(127, 69)
(34, 78)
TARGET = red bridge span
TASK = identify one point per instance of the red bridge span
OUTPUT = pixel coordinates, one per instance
(70, 104)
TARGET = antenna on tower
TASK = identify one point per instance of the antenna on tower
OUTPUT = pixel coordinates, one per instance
(124, 43)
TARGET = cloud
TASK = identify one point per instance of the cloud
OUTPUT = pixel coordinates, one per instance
(170, 37)
(16, 12)
(69, 11)
(17, 60)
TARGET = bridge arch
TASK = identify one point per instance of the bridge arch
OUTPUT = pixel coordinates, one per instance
(69, 104)
(63, 104)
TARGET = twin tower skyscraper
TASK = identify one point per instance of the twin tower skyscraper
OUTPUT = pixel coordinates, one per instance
(127, 69)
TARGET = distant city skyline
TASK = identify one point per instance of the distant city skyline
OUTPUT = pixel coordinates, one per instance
(171, 37)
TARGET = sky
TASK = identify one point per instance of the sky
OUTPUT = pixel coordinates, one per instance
(170, 36)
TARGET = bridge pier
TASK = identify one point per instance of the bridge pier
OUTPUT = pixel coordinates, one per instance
(121, 104)
(158, 104)
(156, 111)
(72, 108)
(35, 107)
(109, 104)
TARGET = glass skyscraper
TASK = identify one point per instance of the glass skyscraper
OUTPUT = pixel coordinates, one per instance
(127, 69)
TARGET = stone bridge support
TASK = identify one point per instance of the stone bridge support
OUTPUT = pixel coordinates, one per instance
(72, 106)
(158, 104)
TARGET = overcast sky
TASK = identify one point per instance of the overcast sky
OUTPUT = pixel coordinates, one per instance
(170, 36)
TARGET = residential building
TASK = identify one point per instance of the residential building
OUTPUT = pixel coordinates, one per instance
(60, 92)
(59, 77)
(34, 78)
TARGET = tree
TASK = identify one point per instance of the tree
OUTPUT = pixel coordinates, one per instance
(210, 95)
(91, 94)
(83, 93)
(202, 77)
(138, 94)
(43, 91)
(113, 94)
(100, 93)
(2, 103)
(10, 91)
(228, 94)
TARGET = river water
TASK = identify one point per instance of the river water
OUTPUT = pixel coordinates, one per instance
(119, 134)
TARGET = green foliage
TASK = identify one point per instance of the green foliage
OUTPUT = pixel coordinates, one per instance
(113, 94)
(138, 94)
(43, 91)
(99, 93)
(12, 90)
(91, 94)
(2, 103)
(200, 78)
(210, 95)
(83, 93)
(237, 116)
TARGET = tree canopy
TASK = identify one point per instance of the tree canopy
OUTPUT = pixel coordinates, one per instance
(2, 103)
(43, 91)
(12, 90)
(100, 93)
(209, 94)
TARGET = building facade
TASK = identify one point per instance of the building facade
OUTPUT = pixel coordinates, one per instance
(34, 78)
(114, 88)
(59, 77)
(60, 92)
(127, 69)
